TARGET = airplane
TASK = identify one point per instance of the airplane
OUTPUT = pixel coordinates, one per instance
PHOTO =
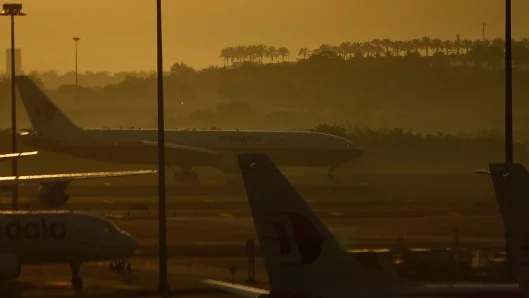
(59, 237)
(511, 186)
(303, 259)
(52, 190)
(52, 130)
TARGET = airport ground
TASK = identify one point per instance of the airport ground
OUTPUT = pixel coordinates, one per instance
(208, 225)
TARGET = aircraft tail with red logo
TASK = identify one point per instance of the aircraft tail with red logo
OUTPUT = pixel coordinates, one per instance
(45, 117)
(303, 259)
(511, 185)
(297, 247)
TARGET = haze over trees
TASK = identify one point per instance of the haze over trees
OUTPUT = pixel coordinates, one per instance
(423, 95)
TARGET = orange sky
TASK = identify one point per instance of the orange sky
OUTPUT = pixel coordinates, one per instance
(119, 35)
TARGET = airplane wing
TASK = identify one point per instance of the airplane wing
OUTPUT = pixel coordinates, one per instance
(482, 172)
(175, 151)
(236, 289)
(17, 155)
(47, 178)
(176, 147)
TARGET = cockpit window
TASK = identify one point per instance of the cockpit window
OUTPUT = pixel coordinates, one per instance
(110, 229)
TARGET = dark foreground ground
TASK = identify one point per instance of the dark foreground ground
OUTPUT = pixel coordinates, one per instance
(208, 225)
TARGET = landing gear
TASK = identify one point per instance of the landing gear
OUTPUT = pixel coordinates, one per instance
(77, 281)
(187, 176)
(122, 264)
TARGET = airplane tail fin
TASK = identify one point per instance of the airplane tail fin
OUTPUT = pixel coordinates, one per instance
(45, 117)
(300, 253)
(511, 185)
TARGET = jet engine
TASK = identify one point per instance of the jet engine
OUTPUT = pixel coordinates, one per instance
(53, 195)
(9, 267)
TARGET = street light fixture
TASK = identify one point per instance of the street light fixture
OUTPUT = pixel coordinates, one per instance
(12, 10)
(76, 39)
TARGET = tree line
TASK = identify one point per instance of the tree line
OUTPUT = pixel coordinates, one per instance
(419, 91)
(386, 47)
(401, 150)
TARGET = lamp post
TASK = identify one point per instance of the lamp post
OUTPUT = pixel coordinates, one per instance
(483, 27)
(163, 286)
(76, 39)
(508, 112)
(12, 10)
(508, 85)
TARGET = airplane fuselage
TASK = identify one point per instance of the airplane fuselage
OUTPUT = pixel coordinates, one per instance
(120, 146)
(42, 237)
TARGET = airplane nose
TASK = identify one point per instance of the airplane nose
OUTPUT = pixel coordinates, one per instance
(357, 153)
(130, 242)
(133, 244)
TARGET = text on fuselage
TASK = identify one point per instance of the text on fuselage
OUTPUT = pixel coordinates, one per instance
(17, 230)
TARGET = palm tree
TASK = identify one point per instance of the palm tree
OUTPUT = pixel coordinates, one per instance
(261, 49)
(240, 53)
(416, 44)
(344, 49)
(408, 47)
(304, 52)
(226, 53)
(499, 43)
(283, 52)
(398, 46)
(356, 49)
(525, 42)
(387, 44)
(253, 52)
(270, 53)
(467, 45)
(367, 47)
(376, 42)
(426, 44)
(323, 48)
(437, 45)
(448, 45)
(377, 50)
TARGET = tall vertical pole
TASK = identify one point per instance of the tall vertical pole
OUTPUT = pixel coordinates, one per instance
(14, 167)
(483, 25)
(76, 75)
(508, 114)
(163, 286)
(508, 86)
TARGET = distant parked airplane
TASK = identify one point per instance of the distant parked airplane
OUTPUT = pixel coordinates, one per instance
(54, 131)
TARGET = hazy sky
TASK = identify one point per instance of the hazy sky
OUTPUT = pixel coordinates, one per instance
(119, 35)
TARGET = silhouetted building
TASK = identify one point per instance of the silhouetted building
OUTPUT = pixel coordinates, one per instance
(18, 61)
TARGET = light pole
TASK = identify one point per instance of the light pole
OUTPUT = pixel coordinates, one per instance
(508, 85)
(12, 10)
(508, 112)
(163, 286)
(484, 26)
(76, 39)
